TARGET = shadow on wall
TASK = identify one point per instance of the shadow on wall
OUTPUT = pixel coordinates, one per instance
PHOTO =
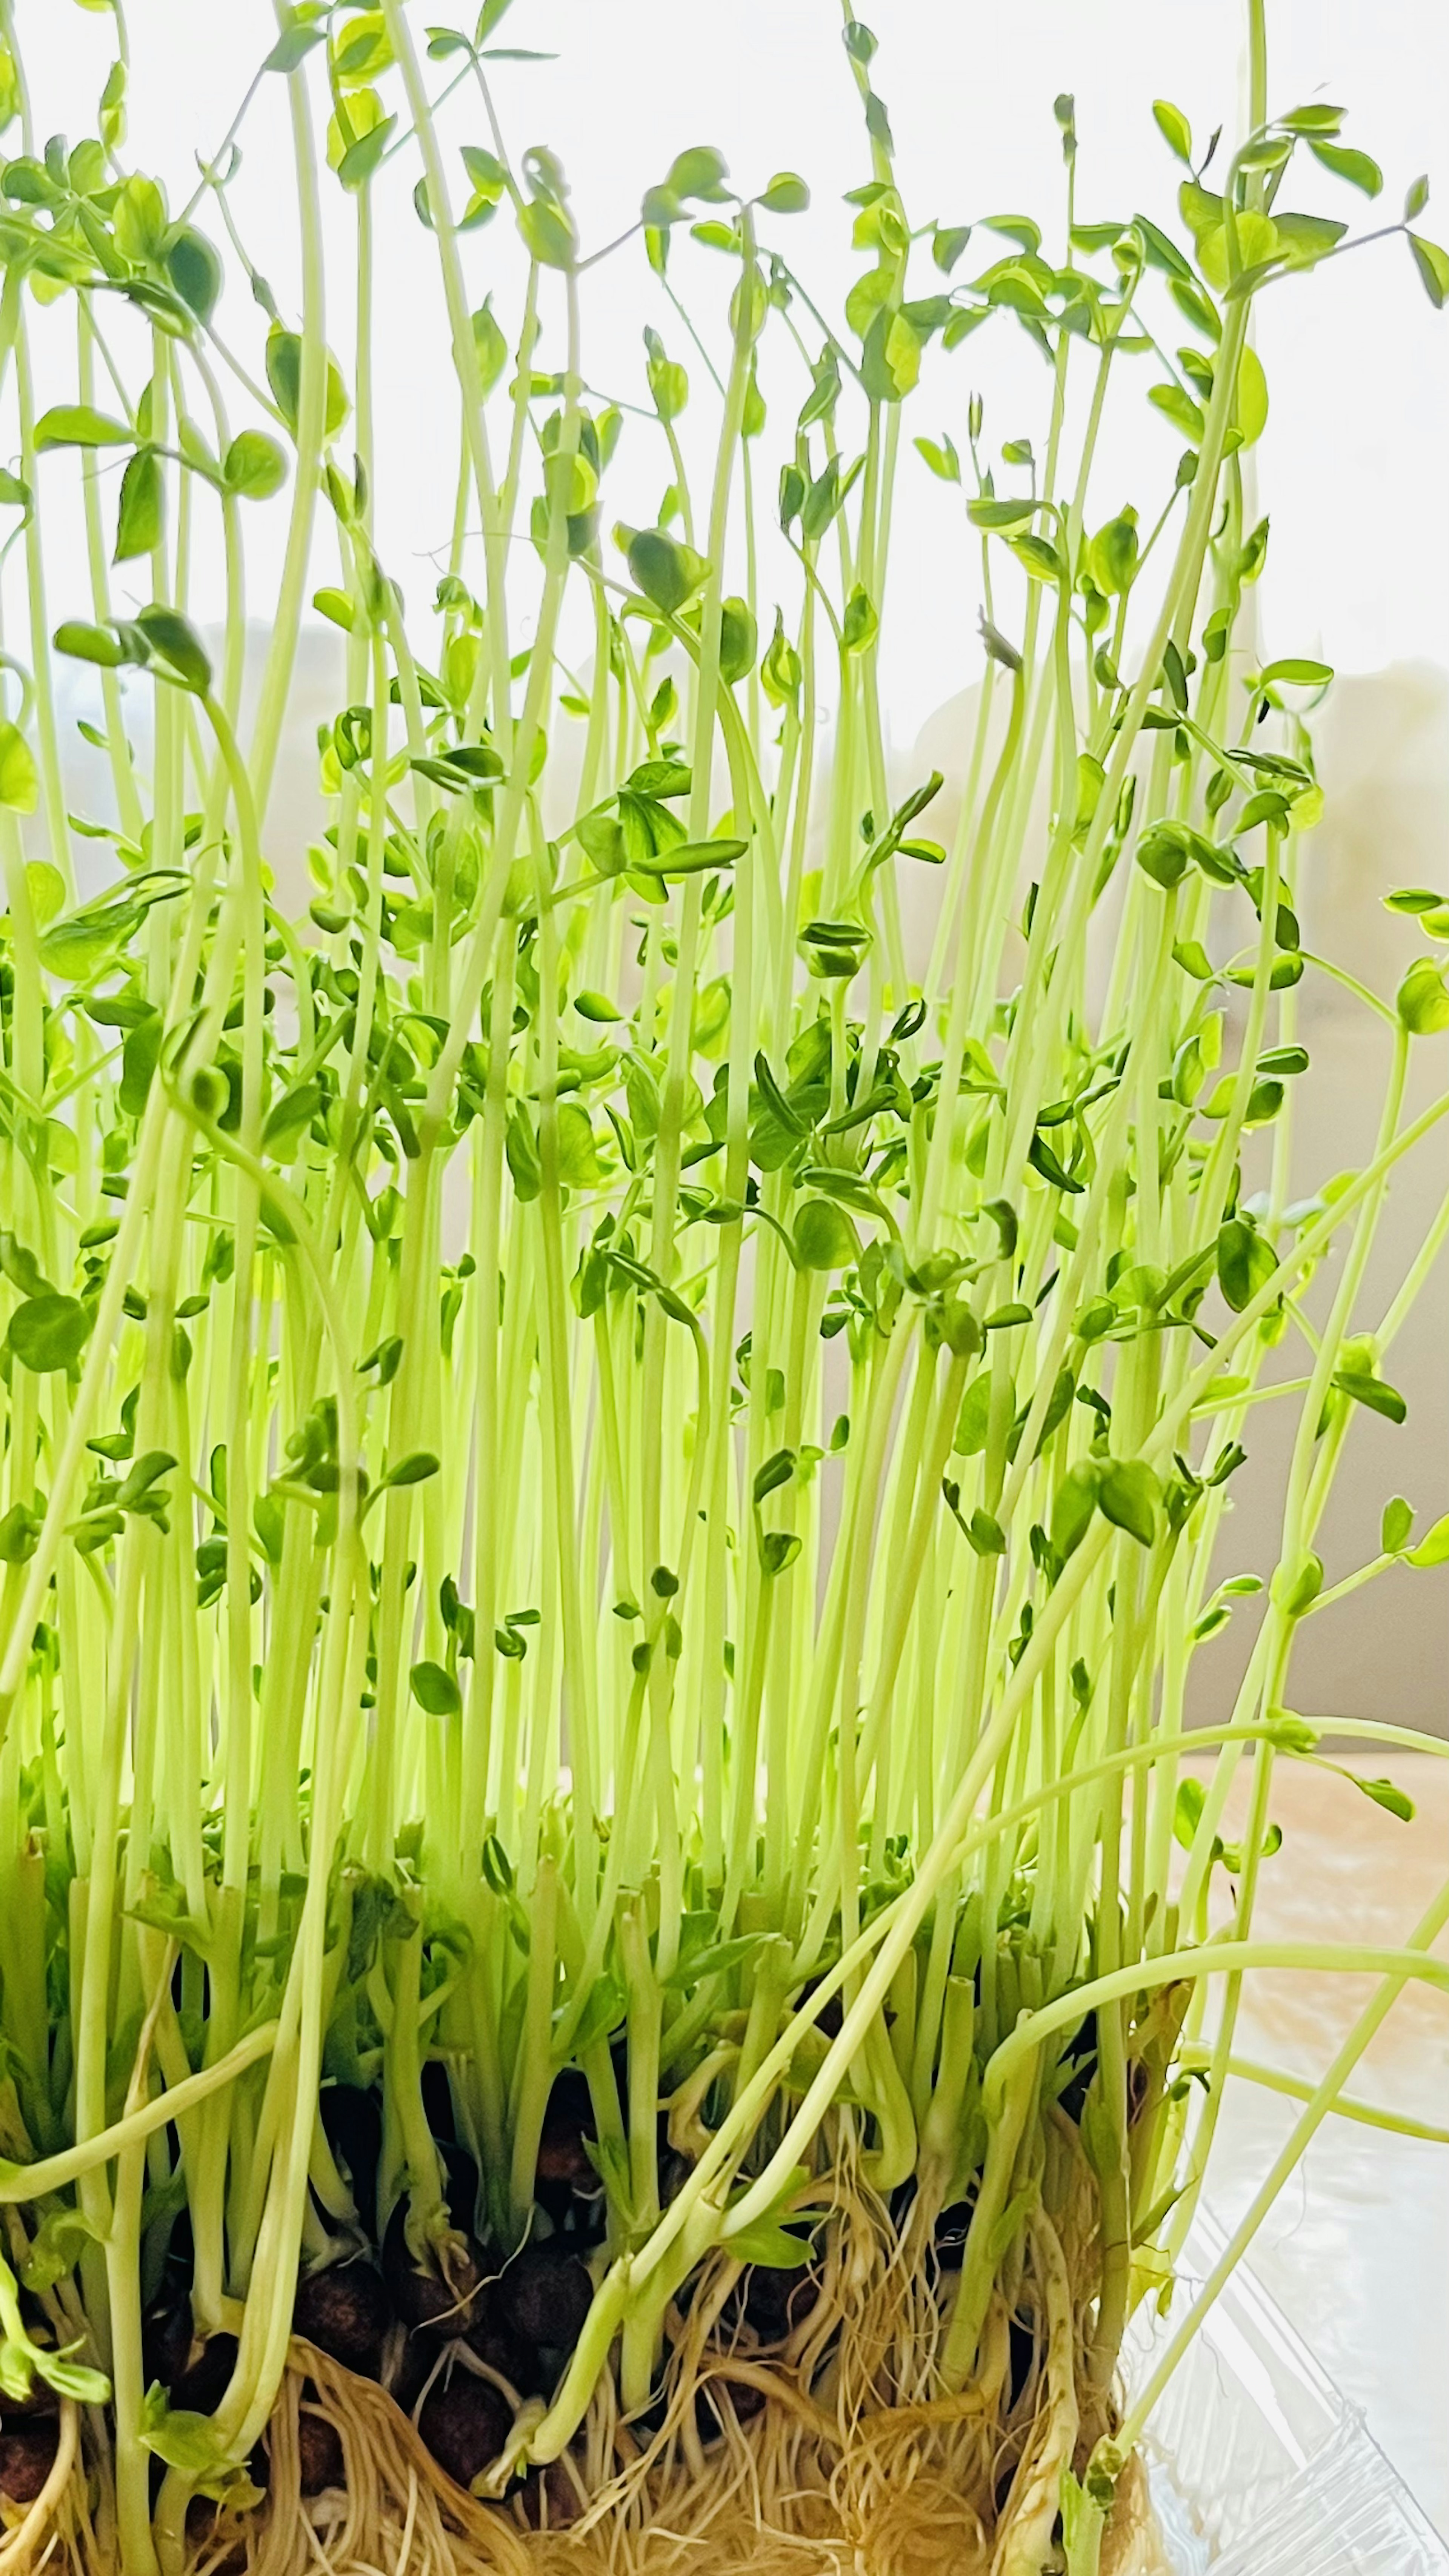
(1383, 758)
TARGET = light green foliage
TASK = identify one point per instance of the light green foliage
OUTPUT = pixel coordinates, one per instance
(436, 1605)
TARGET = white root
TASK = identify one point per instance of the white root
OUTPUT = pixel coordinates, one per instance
(1024, 2545)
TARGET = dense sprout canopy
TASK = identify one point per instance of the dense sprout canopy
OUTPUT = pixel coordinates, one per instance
(619, 1416)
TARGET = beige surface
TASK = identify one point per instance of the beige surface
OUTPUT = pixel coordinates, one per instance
(1357, 2251)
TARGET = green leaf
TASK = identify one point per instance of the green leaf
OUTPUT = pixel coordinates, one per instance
(139, 1059)
(775, 1472)
(284, 375)
(1296, 1592)
(738, 640)
(1180, 409)
(49, 1333)
(139, 517)
(700, 172)
(98, 644)
(435, 1690)
(824, 1237)
(77, 425)
(292, 48)
(1173, 126)
(1432, 264)
(1128, 1496)
(19, 780)
(712, 1959)
(973, 1418)
(691, 859)
(1039, 559)
(182, 2438)
(1433, 1547)
(1001, 514)
(356, 165)
(578, 1159)
(949, 242)
(1074, 1502)
(1299, 674)
(414, 1469)
(1164, 854)
(1318, 118)
(490, 344)
(771, 2246)
(1246, 1262)
(548, 233)
(1345, 163)
(666, 570)
(785, 195)
(1252, 397)
(1423, 1000)
(55, 2249)
(1187, 1811)
(522, 1152)
(941, 457)
(72, 2378)
(139, 218)
(178, 645)
(254, 466)
(195, 271)
(1394, 1529)
(1363, 1387)
(46, 888)
(148, 1470)
(362, 48)
(1395, 1802)
(860, 624)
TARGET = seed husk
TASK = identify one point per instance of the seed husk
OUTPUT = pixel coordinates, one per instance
(464, 2422)
(345, 2311)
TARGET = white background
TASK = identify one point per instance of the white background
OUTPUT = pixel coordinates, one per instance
(1358, 363)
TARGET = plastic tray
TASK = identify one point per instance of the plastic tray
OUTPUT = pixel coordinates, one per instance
(1258, 2467)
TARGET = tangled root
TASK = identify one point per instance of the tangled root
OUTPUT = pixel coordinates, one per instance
(835, 2453)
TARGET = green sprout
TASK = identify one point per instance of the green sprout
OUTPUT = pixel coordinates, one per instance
(619, 1415)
